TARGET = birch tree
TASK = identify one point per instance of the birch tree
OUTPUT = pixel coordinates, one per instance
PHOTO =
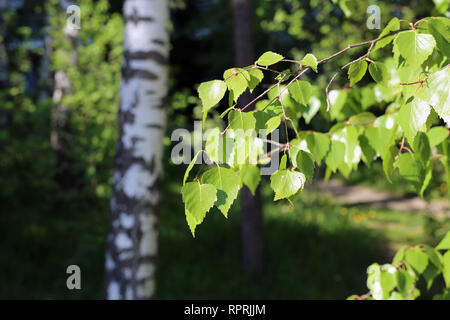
(133, 235)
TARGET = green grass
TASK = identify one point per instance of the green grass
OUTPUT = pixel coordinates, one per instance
(305, 257)
(314, 250)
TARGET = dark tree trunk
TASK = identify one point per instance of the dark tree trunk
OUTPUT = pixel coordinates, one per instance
(251, 208)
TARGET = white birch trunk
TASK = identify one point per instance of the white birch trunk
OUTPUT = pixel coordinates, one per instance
(133, 235)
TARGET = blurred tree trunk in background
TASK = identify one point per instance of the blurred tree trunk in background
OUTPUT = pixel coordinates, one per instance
(251, 207)
(3, 63)
(60, 129)
(3, 52)
(133, 231)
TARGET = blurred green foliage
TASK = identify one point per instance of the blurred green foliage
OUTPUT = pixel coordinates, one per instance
(28, 163)
(45, 228)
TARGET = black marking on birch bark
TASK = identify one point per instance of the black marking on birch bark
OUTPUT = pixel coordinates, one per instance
(140, 208)
(135, 18)
(137, 207)
(159, 42)
(126, 117)
(163, 104)
(154, 126)
(146, 55)
(128, 73)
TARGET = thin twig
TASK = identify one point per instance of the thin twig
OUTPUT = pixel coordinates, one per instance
(326, 90)
(273, 142)
(423, 80)
(258, 97)
(243, 70)
(362, 297)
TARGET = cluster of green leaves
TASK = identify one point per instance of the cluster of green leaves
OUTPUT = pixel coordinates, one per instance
(409, 136)
(24, 130)
(398, 280)
(94, 98)
(26, 104)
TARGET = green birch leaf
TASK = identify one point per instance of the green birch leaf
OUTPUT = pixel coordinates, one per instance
(378, 138)
(440, 32)
(445, 243)
(388, 281)
(210, 94)
(239, 120)
(353, 151)
(309, 60)
(393, 25)
(272, 124)
(223, 114)
(388, 162)
(427, 175)
(286, 74)
(396, 296)
(268, 58)
(422, 148)
(335, 158)
(430, 273)
(283, 162)
(198, 199)
(374, 281)
(318, 145)
(305, 164)
(435, 92)
(247, 147)
(250, 176)
(414, 47)
(364, 118)
(218, 147)
(337, 102)
(286, 183)
(399, 256)
(357, 71)
(212, 144)
(405, 282)
(446, 293)
(297, 144)
(379, 73)
(409, 167)
(256, 76)
(237, 81)
(368, 153)
(261, 119)
(442, 7)
(385, 146)
(417, 259)
(227, 183)
(300, 91)
(412, 116)
(436, 135)
(446, 271)
(190, 166)
(311, 109)
(444, 148)
(434, 256)
(191, 221)
(349, 136)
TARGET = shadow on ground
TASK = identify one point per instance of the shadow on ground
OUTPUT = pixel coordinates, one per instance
(303, 260)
